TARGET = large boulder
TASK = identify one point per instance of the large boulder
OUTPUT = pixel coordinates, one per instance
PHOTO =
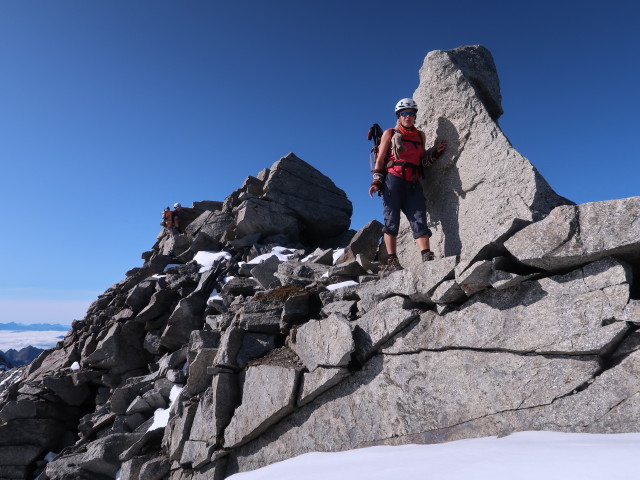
(322, 209)
(257, 215)
(576, 234)
(481, 190)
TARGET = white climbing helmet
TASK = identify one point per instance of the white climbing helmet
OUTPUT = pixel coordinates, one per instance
(406, 103)
(176, 205)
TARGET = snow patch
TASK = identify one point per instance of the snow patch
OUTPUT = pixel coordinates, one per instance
(336, 286)
(282, 253)
(161, 415)
(337, 254)
(206, 259)
(215, 297)
(12, 378)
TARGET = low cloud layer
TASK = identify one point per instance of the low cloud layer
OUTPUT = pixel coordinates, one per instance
(18, 340)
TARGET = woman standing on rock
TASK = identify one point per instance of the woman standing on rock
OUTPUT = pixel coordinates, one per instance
(399, 164)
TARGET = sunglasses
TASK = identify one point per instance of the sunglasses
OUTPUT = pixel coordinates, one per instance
(407, 114)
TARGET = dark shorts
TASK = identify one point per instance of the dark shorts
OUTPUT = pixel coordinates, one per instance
(400, 195)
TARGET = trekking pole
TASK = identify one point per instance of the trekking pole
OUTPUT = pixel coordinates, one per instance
(375, 134)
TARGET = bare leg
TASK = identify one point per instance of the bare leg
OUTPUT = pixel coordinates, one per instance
(422, 242)
(390, 243)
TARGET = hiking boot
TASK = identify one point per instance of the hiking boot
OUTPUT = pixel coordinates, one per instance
(393, 265)
(428, 256)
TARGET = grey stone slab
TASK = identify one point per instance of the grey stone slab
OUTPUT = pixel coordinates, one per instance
(261, 316)
(346, 308)
(416, 282)
(140, 295)
(323, 257)
(297, 272)
(295, 309)
(178, 428)
(578, 234)
(502, 280)
(100, 457)
(154, 469)
(198, 379)
(268, 396)
(365, 242)
(264, 272)
(185, 318)
(352, 268)
(263, 217)
(378, 325)
(317, 382)
(448, 292)
(632, 311)
(216, 408)
(230, 344)
(195, 454)
(475, 278)
(576, 313)
(326, 343)
(254, 345)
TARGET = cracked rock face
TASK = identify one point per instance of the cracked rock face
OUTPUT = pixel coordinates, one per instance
(481, 190)
(423, 392)
(326, 343)
(571, 235)
(268, 396)
(574, 314)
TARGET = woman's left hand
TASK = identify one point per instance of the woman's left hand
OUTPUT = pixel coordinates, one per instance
(441, 146)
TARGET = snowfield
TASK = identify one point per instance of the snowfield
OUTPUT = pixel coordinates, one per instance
(520, 456)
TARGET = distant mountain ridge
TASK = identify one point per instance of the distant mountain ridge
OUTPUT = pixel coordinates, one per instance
(17, 358)
(4, 363)
(35, 327)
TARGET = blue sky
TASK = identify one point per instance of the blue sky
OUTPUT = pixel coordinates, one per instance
(111, 110)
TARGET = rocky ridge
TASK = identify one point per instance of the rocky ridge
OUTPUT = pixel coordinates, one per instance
(286, 341)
